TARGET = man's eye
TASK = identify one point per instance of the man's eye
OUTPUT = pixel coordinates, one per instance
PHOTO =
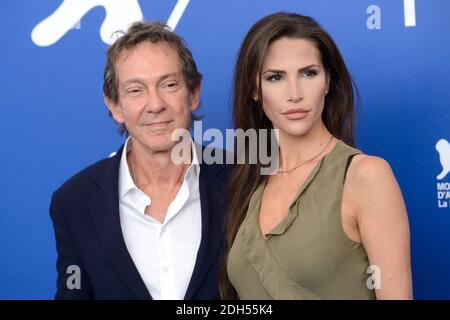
(173, 85)
(134, 91)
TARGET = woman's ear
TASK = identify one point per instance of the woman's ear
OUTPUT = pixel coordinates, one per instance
(115, 109)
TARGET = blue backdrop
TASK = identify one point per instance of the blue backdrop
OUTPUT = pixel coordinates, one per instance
(53, 121)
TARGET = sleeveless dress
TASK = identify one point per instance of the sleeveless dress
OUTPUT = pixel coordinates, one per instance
(307, 255)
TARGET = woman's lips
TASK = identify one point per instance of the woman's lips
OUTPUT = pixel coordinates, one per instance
(296, 114)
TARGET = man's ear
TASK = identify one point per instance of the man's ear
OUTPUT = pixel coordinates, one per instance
(194, 99)
(115, 109)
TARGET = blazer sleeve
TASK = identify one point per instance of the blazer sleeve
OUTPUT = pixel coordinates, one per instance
(72, 281)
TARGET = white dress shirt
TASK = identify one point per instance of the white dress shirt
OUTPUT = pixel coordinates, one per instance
(164, 254)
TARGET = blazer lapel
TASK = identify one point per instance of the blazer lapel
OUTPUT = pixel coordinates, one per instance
(104, 208)
(212, 206)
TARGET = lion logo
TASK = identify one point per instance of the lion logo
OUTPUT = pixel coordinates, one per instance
(120, 14)
(443, 148)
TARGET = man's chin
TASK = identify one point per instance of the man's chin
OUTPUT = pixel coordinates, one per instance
(161, 146)
(157, 143)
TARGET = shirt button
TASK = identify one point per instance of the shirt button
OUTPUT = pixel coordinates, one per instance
(165, 269)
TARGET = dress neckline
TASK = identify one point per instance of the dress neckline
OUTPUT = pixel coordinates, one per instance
(281, 227)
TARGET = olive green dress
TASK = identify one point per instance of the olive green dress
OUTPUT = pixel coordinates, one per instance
(307, 255)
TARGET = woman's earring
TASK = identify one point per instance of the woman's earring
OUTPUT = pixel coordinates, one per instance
(326, 92)
(255, 98)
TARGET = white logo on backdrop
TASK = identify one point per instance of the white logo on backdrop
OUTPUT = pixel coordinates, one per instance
(374, 20)
(119, 15)
(443, 148)
(410, 12)
(442, 187)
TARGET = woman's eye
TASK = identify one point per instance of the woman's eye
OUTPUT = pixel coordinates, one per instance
(310, 73)
(275, 77)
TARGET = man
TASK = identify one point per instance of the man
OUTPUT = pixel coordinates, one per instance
(139, 225)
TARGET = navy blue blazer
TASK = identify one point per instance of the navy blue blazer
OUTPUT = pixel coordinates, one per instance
(85, 216)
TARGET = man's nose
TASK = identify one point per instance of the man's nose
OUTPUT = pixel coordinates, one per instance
(155, 102)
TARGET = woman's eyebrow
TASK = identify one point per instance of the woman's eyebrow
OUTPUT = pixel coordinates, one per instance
(283, 72)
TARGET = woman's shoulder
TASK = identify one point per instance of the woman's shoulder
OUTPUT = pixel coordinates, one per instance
(369, 175)
(367, 166)
(368, 169)
(372, 188)
(362, 165)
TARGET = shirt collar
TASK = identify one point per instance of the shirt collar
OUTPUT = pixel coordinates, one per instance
(126, 183)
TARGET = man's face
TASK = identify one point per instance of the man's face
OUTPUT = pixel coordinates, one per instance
(153, 97)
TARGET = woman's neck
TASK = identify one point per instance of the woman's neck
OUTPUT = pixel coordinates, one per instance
(297, 149)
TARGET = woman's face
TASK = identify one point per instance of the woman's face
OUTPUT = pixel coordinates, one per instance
(294, 85)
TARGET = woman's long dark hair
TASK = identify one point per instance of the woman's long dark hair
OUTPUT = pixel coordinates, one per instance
(338, 113)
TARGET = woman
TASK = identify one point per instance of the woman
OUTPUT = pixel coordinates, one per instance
(331, 223)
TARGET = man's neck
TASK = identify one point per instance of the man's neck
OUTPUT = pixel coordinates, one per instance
(150, 168)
